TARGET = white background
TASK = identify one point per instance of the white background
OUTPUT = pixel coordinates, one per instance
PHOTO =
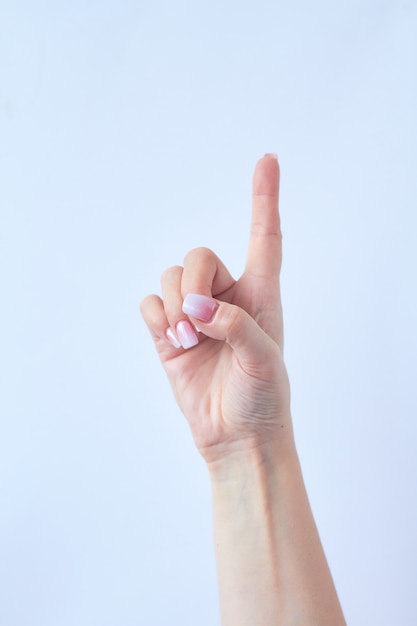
(128, 135)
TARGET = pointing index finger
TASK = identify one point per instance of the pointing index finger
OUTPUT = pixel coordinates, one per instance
(265, 250)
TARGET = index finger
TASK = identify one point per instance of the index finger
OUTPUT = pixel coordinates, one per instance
(265, 243)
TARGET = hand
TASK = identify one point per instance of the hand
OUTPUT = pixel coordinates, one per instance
(228, 377)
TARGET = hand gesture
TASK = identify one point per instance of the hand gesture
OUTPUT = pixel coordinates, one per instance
(221, 340)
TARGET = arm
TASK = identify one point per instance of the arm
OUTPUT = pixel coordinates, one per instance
(230, 381)
(270, 563)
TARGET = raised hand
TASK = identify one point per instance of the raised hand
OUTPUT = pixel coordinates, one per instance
(228, 376)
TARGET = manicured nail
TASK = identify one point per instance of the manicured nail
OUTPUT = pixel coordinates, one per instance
(200, 307)
(172, 338)
(272, 155)
(186, 334)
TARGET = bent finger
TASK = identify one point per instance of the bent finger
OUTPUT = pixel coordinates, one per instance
(153, 313)
(179, 324)
(204, 273)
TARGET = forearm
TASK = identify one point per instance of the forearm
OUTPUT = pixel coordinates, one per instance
(272, 570)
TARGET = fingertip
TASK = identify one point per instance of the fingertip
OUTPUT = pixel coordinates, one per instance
(186, 334)
(200, 307)
(266, 176)
(172, 338)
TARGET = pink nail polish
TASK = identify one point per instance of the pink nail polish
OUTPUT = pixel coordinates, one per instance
(200, 307)
(172, 338)
(186, 334)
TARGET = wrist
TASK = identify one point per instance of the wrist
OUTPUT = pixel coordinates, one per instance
(252, 460)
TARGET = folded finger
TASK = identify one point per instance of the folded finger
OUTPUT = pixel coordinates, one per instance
(179, 326)
(205, 274)
(153, 313)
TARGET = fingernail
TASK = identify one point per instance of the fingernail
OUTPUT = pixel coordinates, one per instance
(186, 334)
(200, 307)
(172, 338)
(272, 155)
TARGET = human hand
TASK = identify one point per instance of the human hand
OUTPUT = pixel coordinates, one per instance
(229, 379)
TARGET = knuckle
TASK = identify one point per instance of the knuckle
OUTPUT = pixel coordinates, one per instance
(147, 306)
(145, 302)
(170, 273)
(199, 254)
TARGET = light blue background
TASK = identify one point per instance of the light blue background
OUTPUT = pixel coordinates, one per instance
(128, 135)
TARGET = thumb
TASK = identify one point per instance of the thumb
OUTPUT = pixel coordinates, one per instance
(228, 322)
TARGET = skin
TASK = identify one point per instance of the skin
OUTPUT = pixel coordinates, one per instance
(233, 388)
